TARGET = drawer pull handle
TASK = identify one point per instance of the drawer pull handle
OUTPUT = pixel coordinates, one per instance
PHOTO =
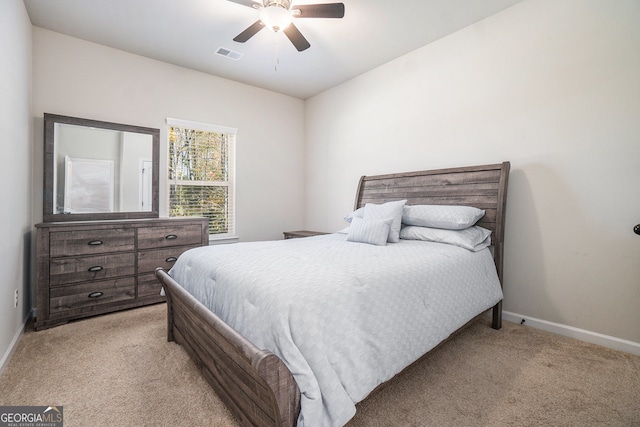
(171, 237)
(171, 259)
(95, 269)
(95, 294)
(95, 242)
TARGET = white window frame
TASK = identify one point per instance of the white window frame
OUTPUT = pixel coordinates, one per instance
(231, 183)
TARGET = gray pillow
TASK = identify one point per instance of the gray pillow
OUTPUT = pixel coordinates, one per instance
(391, 210)
(372, 231)
(441, 216)
(357, 213)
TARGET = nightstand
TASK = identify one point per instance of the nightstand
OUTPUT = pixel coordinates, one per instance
(301, 233)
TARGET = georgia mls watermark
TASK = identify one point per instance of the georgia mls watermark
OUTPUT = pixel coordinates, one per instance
(31, 416)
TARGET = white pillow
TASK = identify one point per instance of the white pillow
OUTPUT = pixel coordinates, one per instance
(441, 216)
(344, 230)
(391, 210)
(472, 238)
(372, 231)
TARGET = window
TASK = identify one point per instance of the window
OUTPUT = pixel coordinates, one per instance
(202, 174)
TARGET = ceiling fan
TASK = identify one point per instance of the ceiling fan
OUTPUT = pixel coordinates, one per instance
(277, 15)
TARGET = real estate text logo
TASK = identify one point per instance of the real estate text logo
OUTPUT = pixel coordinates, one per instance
(31, 416)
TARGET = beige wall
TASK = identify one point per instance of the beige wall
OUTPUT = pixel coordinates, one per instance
(15, 186)
(76, 78)
(553, 87)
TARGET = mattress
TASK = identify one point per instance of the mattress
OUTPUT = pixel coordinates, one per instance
(343, 316)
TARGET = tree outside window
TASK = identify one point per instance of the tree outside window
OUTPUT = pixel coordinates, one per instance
(201, 172)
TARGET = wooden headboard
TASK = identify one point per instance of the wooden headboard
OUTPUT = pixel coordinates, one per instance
(484, 187)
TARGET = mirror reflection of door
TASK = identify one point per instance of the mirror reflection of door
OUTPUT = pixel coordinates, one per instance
(145, 185)
(89, 185)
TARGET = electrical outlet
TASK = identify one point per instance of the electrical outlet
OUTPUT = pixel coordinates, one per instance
(15, 299)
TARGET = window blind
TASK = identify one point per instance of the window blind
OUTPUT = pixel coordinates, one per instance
(202, 173)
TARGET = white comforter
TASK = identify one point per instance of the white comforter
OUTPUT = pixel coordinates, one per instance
(343, 316)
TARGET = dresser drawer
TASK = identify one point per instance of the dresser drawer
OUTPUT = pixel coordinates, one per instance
(148, 285)
(88, 242)
(150, 259)
(66, 298)
(80, 269)
(158, 237)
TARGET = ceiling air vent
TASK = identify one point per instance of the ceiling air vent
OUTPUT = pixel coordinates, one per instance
(228, 54)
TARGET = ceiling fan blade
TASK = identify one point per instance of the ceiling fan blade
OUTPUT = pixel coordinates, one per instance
(249, 3)
(249, 32)
(328, 10)
(296, 38)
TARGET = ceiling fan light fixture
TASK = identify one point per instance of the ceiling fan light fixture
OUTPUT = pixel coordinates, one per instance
(276, 17)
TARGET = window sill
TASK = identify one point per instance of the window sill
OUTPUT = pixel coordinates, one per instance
(222, 240)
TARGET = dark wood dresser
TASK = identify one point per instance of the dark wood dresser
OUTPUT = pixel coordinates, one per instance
(95, 267)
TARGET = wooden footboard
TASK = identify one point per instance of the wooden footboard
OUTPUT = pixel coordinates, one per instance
(254, 384)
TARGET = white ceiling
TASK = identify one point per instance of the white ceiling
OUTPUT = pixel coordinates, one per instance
(189, 32)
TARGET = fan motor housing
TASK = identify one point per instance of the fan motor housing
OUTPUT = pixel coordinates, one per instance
(286, 4)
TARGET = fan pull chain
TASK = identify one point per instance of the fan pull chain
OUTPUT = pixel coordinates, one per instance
(277, 52)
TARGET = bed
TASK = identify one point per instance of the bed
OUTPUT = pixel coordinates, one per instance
(256, 384)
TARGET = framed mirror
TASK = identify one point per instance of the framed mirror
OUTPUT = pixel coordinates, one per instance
(96, 170)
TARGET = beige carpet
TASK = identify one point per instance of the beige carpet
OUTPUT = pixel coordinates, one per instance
(119, 370)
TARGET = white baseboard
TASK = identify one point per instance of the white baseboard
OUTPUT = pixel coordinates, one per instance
(570, 331)
(14, 342)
